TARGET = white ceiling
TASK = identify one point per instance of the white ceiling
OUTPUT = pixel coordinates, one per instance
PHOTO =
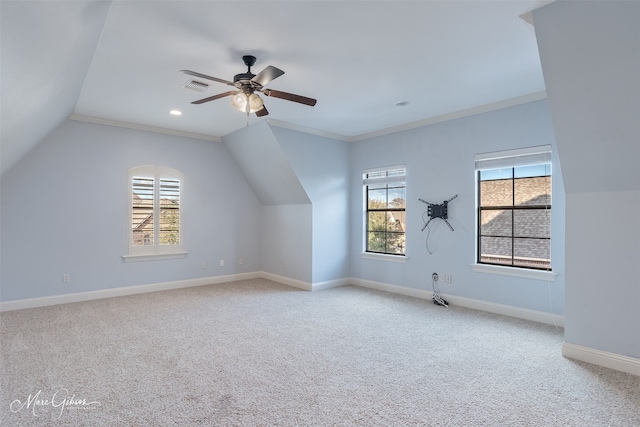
(119, 62)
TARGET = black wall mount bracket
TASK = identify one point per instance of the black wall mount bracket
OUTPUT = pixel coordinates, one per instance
(438, 211)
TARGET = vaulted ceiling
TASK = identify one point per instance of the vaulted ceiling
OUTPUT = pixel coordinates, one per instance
(118, 62)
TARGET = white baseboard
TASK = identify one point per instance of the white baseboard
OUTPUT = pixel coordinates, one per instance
(615, 361)
(394, 289)
(287, 281)
(536, 316)
(319, 286)
(121, 291)
(507, 310)
(164, 286)
(573, 351)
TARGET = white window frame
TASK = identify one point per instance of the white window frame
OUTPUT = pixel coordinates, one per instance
(155, 251)
(402, 258)
(510, 158)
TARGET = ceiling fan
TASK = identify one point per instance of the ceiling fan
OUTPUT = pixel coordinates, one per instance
(244, 97)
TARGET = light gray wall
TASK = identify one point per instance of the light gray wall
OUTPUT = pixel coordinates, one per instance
(322, 165)
(590, 54)
(85, 166)
(285, 241)
(440, 163)
(285, 235)
(227, 221)
(64, 210)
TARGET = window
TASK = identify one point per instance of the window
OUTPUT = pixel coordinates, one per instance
(155, 211)
(384, 191)
(514, 208)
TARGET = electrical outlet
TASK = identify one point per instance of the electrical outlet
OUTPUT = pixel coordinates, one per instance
(240, 261)
(66, 278)
(447, 278)
(203, 265)
(221, 263)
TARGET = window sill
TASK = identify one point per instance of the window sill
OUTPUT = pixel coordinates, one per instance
(547, 276)
(153, 257)
(384, 257)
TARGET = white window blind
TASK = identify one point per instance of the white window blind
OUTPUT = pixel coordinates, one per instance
(155, 210)
(143, 204)
(388, 175)
(513, 158)
(169, 212)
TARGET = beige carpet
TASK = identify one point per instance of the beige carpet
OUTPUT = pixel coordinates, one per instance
(257, 353)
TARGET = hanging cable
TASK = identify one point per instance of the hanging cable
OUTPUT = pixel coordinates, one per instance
(426, 224)
(437, 299)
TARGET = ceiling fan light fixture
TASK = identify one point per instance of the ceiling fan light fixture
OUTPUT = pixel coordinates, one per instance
(241, 100)
(255, 103)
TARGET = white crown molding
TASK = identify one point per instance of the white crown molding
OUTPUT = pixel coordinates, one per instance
(311, 131)
(127, 125)
(536, 96)
(609, 360)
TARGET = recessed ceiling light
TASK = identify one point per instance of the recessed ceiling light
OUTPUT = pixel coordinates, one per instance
(175, 112)
(402, 103)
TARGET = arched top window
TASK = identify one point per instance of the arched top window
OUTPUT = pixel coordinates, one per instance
(155, 212)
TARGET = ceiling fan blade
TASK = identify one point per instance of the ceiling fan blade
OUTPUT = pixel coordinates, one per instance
(268, 74)
(290, 97)
(262, 112)
(214, 97)
(204, 76)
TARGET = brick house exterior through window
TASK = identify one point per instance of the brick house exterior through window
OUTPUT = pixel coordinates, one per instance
(514, 208)
(155, 210)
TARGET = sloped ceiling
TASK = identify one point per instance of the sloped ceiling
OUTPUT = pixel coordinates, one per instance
(594, 92)
(118, 62)
(47, 48)
(273, 182)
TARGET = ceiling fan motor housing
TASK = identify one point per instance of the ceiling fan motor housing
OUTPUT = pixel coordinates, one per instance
(243, 78)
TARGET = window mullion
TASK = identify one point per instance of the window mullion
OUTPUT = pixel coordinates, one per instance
(156, 213)
(513, 216)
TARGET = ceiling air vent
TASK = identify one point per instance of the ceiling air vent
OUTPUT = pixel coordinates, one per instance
(197, 86)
